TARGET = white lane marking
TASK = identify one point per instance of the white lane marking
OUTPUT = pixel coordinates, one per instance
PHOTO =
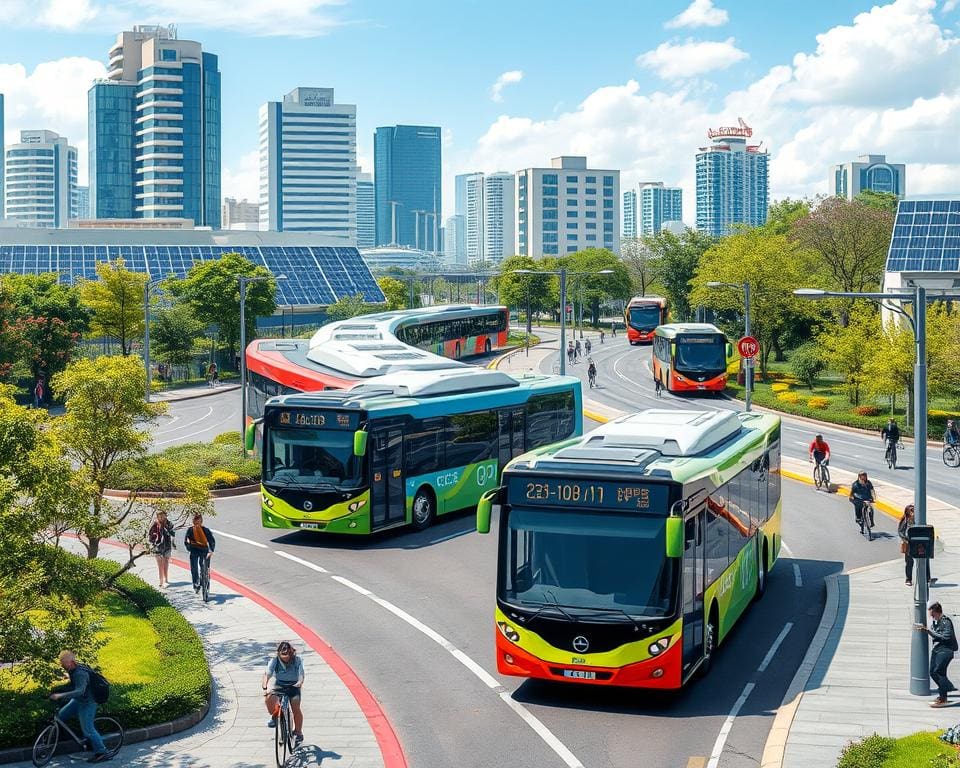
(797, 578)
(239, 538)
(485, 677)
(307, 563)
(776, 644)
(188, 424)
(206, 429)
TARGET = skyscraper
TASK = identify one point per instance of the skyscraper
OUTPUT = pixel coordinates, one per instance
(868, 172)
(83, 202)
(454, 241)
(407, 186)
(308, 164)
(630, 213)
(499, 212)
(41, 180)
(567, 208)
(154, 130)
(3, 155)
(366, 212)
(473, 216)
(657, 205)
(732, 181)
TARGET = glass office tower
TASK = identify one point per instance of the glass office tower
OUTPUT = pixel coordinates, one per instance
(406, 163)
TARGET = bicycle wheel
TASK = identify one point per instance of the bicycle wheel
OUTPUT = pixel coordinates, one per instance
(290, 737)
(46, 745)
(281, 740)
(205, 581)
(826, 478)
(868, 521)
(951, 456)
(111, 732)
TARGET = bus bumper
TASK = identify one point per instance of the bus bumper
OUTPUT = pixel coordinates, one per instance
(357, 523)
(639, 336)
(680, 383)
(661, 672)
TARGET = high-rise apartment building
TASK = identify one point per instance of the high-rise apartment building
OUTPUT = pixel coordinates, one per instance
(473, 216)
(308, 164)
(871, 172)
(3, 155)
(407, 185)
(154, 130)
(366, 212)
(499, 212)
(83, 202)
(630, 213)
(567, 208)
(454, 241)
(239, 213)
(41, 180)
(657, 205)
(732, 181)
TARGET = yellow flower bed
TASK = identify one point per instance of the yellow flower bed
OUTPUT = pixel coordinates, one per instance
(945, 414)
(818, 402)
(789, 397)
(780, 386)
(220, 478)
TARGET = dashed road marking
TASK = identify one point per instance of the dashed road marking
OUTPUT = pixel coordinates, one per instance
(295, 559)
(240, 538)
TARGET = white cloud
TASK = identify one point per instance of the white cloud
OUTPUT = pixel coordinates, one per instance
(66, 14)
(241, 180)
(675, 60)
(700, 13)
(950, 5)
(507, 78)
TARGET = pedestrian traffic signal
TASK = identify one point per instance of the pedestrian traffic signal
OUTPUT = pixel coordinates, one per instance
(920, 539)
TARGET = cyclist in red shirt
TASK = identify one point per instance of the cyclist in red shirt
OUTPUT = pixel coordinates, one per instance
(819, 450)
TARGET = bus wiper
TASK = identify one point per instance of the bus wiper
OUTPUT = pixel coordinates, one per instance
(556, 604)
(541, 606)
(612, 610)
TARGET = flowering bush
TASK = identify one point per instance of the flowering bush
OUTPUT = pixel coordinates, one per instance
(780, 386)
(789, 397)
(867, 410)
(220, 478)
(818, 402)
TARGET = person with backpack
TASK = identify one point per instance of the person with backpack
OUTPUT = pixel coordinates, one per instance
(944, 646)
(200, 543)
(88, 688)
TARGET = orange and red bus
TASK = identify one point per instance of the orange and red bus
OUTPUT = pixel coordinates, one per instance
(690, 357)
(642, 315)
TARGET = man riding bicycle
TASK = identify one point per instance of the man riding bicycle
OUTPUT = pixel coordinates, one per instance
(891, 433)
(819, 451)
(952, 435)
(861, 493)
(286, 671)
(81, 704)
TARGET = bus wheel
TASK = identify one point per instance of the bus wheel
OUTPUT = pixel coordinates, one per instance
(711, 631)
(762, 573)
(487, 346)
(424, 509)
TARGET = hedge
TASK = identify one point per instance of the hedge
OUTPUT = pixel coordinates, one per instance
(182, 688)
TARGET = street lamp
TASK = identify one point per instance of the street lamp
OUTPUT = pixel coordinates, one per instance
(563, 274)
(748, 362)
(244, 280)
(919, 661)
(146, 330)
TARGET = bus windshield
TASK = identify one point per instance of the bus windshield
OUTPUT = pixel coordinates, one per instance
(592, 560)
(311, 456)
(701, 353)
(645, 318)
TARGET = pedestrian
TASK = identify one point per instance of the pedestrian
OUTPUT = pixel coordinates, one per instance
(944, 646)
(162, 541)
(657, 386)
(213, 375)
(570, 352)
(601, 337)
(577, 349)
(81, 704)
(286, 671)
(613, 329)
(905, 522)
(587, 346)
(200, 543)
(38, 393)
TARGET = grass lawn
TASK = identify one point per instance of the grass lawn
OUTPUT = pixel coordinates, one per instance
(918, 749)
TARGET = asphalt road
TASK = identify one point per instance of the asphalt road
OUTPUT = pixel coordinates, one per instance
(198, 420)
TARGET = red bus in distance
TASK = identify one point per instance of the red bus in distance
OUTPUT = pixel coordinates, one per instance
(642, 315)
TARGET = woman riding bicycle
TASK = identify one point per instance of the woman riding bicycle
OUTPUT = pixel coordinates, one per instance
(286, 670)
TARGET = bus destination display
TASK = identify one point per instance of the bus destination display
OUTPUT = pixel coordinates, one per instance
(309, 417)
(585, 493)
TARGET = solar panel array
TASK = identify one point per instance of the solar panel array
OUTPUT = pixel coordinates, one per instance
(926, 237)
(315, 276)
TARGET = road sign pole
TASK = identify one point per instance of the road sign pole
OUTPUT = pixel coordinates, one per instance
(919, 660)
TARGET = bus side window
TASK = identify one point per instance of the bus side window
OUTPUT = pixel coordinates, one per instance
(423, 447)
(471, 437)
(718, 534)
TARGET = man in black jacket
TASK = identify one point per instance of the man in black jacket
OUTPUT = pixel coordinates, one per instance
(944, 645)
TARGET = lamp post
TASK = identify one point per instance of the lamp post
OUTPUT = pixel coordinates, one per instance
(748, 368)
(244, 281)
(919, 660)
(146, 331)
(563, 275)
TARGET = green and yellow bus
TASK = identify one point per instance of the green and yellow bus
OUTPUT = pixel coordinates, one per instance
(626, 556)
(403, 448)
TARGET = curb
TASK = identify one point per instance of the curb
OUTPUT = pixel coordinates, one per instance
(207, 393)
(885, 507)
(216, 493)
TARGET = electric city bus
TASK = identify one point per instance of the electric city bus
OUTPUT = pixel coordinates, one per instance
(403, 448)
(626, 556)
(690, 357)
(642, 315)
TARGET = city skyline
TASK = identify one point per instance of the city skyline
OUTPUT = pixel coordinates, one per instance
(639, 105)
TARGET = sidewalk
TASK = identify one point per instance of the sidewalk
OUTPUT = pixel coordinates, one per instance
(240, 634)
(192, 392)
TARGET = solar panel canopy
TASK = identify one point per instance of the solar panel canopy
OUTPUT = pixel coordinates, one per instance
(316, 276)
(926, 237)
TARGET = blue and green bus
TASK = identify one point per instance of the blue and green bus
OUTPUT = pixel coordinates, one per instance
(403, 448)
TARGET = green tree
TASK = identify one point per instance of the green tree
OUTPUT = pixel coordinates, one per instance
(116, 300)
(395, 292)
(783, 213)
(592, 286)
(808, 363)
(542, 290)
(174, 332)
(845, 348)
(347, 307)
(212, 291)
(676, 259)
(640, 261)
(773, 267)
(885, 201)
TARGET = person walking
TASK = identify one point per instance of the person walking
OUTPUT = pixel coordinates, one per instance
(905, 522)
(577, 350)
(81, 704)
(570, 352)
(162, 541)
(944, 646)
(200, 543)
(601, 337)
(38, 392)
(286, 671)
(587, 346)
(657, 386)
(213, 375)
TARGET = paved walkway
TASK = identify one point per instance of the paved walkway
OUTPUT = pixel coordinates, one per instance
(239, 635)
(189, 393)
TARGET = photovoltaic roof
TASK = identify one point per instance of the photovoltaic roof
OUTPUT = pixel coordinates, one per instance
(315, 275)
(926, 237)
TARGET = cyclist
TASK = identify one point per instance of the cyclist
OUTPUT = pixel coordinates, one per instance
(286, 670)
(890, 434)
(81, 704)
(592, 372)
(587, 345)
(952, 434)
(861, 492)
(819, 451)
(200, 543)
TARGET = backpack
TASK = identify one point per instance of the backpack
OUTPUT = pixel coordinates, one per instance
(99, 686)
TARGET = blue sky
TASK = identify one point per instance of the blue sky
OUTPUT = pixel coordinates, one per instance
(634, 85)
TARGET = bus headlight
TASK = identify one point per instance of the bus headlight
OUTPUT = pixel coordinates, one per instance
(659, 647)
(267, 500)
(508, 632)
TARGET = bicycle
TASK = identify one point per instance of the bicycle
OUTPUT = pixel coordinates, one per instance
(865, 520)
(45, 746)
(951, 455)
(205, 578)
(821, 475)
(890, 455)
(283, 733)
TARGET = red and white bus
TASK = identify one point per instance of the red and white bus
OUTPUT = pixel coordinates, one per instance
(642, 315)
(690, 357)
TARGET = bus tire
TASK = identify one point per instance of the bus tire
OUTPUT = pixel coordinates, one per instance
(487, 346)
(762, 572)
(711, 633)
(424, 509)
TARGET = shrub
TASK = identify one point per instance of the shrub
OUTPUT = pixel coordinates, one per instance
(789, 397)
(867, 410)
(227, 438)
(868, 753)
(819, 403)
(220, 478)
(165, 471)
(808, 363)
(780, 386)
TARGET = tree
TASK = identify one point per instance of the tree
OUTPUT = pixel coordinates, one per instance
(774, 268)
(783, 213)
(174, 332)
(116, 300)
(885, 201)
(592, 286)
(543, 291)
(212, 291)
(845, 348)
(347, 307)
(808, 363)
(640, 261)
(676, 260)
(394, 291)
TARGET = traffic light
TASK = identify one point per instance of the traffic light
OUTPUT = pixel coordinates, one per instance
(920, 540)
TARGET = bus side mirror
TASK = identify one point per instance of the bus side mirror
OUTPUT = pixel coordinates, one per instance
(360, 443)
(250, 436)
(484, 508)
(674, 537)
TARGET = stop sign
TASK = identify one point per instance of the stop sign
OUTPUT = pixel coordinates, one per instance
(748, 347)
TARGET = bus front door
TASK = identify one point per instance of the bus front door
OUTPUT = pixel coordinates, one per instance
(386, 465)
(693, 573)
